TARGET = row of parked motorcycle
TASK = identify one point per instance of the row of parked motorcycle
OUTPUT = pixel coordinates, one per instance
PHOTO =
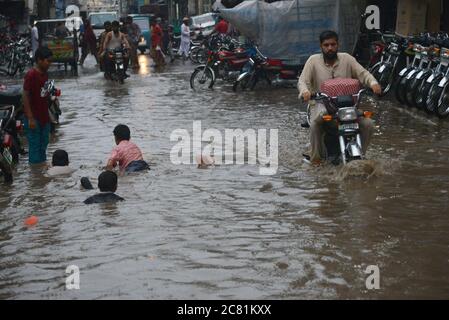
(417, 68)
(15, 53)
(11, 124)
(243, 65)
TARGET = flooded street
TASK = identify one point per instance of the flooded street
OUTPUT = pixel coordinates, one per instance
(226, 232)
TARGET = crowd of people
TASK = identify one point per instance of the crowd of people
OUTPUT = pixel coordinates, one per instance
(126, 155)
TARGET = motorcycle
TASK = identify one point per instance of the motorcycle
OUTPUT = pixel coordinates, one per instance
(435, 84)
(385, 70)
(12, 95)
(342, 131)
(416, 47)
(435, 74)
(273, 71)
(20, 56)
(222, 64)
(9, 145)
(116, 68)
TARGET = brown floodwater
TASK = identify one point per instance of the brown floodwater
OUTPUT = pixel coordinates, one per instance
(226, 232)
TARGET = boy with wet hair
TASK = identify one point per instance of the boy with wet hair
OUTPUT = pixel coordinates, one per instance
(107, 183)
(126, 154)
(60, 164)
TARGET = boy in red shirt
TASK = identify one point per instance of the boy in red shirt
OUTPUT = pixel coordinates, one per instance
(35, 101)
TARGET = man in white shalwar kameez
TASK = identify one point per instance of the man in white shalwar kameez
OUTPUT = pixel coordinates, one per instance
(185, 39)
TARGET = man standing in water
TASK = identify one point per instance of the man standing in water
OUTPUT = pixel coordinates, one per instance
(34, 38)
(327, 65)
(35, 102)
(185, 39)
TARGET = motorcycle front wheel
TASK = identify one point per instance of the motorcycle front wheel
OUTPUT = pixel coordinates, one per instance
(6, 171)
(442, 110)
(400, 89)
(248, 82)
(13, 67)
(384, 78)
(411, 91)
(421, 96)
(201, 79)
(433, 98)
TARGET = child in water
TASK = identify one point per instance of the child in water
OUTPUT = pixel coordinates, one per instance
(126, 154)
(59, 164)
(107, 183)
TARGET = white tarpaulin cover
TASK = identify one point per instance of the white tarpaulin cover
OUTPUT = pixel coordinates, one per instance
(290, 29)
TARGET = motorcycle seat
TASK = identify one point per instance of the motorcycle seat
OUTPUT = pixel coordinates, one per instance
(11, 91)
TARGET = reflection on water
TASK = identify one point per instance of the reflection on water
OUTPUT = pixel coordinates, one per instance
(226, 231)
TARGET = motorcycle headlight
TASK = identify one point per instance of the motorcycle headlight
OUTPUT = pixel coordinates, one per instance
(347, 114)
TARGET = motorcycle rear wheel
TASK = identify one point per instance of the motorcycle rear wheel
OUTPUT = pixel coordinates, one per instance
(201, 79)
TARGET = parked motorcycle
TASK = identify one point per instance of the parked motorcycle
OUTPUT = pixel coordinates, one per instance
(435, 83)
(273, 71)
(416, 46)
(385, 70)
(9, 145)
(17, 56)
(222, 64)
(414, 83)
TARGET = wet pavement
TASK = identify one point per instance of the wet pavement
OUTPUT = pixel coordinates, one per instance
(226, 232)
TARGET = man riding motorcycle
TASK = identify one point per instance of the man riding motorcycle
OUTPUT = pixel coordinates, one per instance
(114, 40)
(324, 66)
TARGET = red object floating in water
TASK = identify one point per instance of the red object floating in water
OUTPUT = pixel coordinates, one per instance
(31, 221)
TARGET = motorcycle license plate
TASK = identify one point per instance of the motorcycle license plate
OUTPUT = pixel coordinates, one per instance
(348, 126)
(382, 68)
(7, 155)
(430, 79)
